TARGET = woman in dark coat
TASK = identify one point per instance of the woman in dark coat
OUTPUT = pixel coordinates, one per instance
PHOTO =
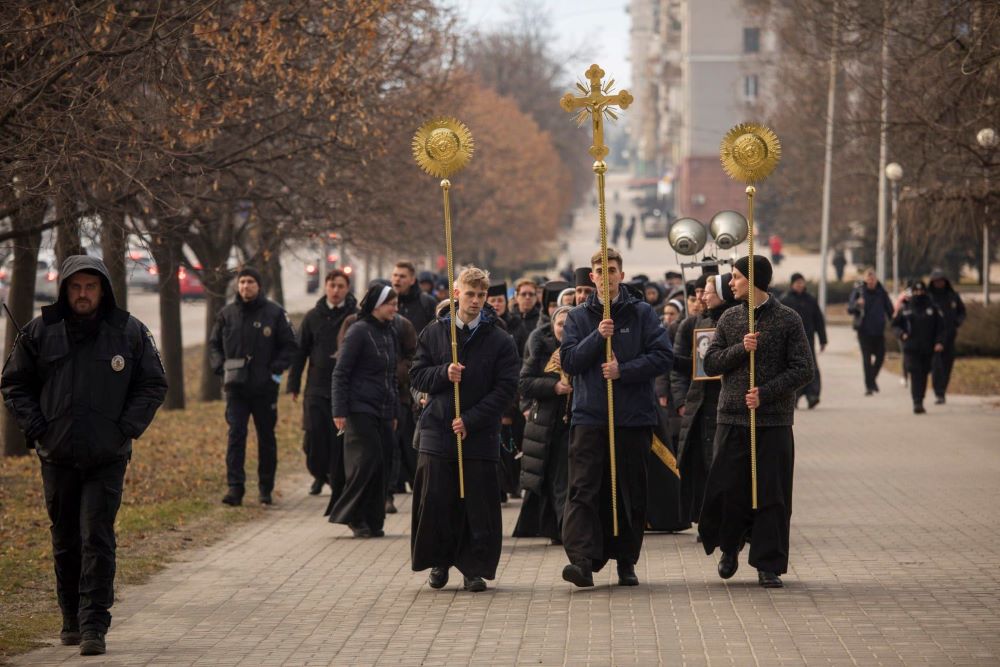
(695, 448)
(364, 405)
(544, 466)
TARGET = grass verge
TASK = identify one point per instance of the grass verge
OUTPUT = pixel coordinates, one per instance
(171, 502)
(971, 376)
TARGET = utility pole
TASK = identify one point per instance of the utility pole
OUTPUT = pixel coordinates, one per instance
(824, 243)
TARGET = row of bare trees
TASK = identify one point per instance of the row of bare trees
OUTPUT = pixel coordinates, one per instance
(228, 129)
(942, 74)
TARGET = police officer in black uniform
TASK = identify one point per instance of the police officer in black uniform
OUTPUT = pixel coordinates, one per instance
(920, 326)
(84, 380)
(251, 346)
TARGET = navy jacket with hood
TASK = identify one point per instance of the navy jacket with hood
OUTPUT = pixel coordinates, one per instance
(642, 348)
(81, 390)
(489, 381)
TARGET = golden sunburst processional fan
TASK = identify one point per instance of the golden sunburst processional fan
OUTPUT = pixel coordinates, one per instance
(597, 103)
(442, 147)
(749, 153)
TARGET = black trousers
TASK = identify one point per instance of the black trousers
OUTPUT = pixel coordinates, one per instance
(919, 367)
(587, 525)
(404, 459)
(82, 506)
(367, 449)
(811, 390)
(448, 531)
(941, 367)
(264, 410)
(319, 437)
(872, 356)
(727, 515)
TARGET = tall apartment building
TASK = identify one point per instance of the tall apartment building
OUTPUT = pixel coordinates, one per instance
(707, 63)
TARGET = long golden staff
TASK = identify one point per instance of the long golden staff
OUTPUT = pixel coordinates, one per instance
(595, 104)
(749, 153)
(443, 147)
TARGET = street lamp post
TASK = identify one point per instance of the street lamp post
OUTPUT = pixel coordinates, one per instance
(894, 172)
(987, 138)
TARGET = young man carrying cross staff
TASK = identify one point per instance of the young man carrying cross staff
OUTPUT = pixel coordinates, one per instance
(641, 351)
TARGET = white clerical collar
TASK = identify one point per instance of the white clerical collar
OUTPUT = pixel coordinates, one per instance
(333, 306)
(471, 325)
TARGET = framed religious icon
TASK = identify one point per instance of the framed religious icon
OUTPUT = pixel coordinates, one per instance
(702, 339)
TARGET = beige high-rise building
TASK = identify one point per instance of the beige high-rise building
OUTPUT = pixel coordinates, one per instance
(705, 67)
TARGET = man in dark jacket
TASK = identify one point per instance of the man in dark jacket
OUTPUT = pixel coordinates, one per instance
(447, 530)
(414, 304)
(251, 345)
(921, 326)
(871, 307)
(641, 351)
(318, 342)
(527, 305)
(782, 365)
(84, 380)
(803, 303)
(952, 310)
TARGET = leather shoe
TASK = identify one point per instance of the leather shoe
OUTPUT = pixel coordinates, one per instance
(233, 498)
(728, 564)
(626, 574)
(473, 584)
(316, 488)
(92, 643)
(390, 506)
(438, 577)
(377, 532)
(939, 400)
(70, 633)
(579, 574)
(769, 579)
(813, 402)
(265, 499)
(360, 530)
(918, 409)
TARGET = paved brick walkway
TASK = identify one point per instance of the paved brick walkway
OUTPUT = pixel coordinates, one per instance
(895, 560)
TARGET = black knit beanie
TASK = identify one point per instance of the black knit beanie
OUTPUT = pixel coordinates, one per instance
(253, 273)
(762, 271)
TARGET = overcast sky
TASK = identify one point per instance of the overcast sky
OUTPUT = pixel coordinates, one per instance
(597, 29)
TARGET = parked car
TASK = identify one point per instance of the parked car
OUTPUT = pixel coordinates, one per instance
(191, 287)
(312, 278)
(46, 276)
(141, 273)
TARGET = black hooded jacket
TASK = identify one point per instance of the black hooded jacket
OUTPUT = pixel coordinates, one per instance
(318, 341)
(923, 324)
(259, 331)
(950, 304)
(807, 307)
(82, 390)
(489, 382)
(417, 306)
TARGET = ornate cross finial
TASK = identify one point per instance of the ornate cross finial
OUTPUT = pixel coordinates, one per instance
(596, 102)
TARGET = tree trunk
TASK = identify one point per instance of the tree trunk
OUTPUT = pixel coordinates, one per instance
(21, 301)
(67, 234)
(167, 252)
(215, 300)
(272, 275)
(113, 247)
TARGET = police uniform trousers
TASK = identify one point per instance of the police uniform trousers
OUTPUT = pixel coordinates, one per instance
(82, 504)
(587, 531)
(264, 410)
(368, 443)
(727, 517)
(448, 531)
(919, 367)
(941, 366)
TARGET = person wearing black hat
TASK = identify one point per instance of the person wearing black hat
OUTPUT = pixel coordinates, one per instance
(641, 352)
(583, 285)
(251, 345)
(952, 310)
(425, 279)
(922, 329)
(697, 431)
(318, 342)
(673, 279)
(783, 364)
(496, 296)
(803, 303)
(83, 381)
(364, 407)
(550, 298)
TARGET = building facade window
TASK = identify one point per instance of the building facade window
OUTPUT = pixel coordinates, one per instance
(751, 40)
(750, 83)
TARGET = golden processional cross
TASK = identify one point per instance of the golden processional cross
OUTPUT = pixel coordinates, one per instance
(597, 101)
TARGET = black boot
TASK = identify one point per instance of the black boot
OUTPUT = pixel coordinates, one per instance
(473, 584)
(918, 409)
(626, 574)
(438, 577)
(233, 497)
(728, 564)
(769, 579)
(316, 488)
(265, 498)
(360, 529)
(92, 643)
(390, 505)
(70, 634)
(579, 574)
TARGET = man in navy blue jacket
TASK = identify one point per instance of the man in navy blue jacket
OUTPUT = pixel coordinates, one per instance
(641, 351)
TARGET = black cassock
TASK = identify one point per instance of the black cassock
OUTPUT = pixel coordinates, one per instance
(448, 531)
(727, 519)
(663, 500)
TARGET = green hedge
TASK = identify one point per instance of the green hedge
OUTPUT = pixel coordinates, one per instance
(835, 292)
(979, 336)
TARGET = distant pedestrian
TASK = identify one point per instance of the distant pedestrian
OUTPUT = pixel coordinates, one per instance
(414, 304)
(872, 309)
(839, 262)
(630, 232)
(921, 327)
(318, 340)
(782, 366)
(83, 381)
(251, 345)
(616, 231)
(803, 303)
(364, 406)
(776, 244)
(952, 310)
